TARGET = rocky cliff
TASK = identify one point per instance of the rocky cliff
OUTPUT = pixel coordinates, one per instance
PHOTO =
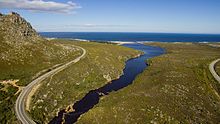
(15, 29)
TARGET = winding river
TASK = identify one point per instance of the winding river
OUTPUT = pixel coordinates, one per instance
(132, 68)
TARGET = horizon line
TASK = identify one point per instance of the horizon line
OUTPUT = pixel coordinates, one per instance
(125, 32)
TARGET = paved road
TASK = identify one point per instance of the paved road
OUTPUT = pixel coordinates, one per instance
(212, 70)
(20, 110)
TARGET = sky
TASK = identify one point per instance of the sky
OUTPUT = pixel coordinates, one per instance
(168, 16)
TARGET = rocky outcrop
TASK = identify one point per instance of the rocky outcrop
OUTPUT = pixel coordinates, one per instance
(15, 29)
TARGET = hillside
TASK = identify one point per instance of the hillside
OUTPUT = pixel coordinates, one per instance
(177, 88)
(21, 48)
(24, 55)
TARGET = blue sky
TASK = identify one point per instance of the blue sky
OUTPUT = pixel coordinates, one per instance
(176, 16)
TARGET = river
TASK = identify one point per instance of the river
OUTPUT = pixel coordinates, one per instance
(132, 68)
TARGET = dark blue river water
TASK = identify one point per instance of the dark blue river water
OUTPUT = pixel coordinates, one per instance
(132, 68)
(117, 36)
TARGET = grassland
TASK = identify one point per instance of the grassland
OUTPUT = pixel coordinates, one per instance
(24, 62)
(19, 62)
(102, 63)
(176, 88)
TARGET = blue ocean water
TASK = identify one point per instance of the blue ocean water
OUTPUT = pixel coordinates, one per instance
(133, 37)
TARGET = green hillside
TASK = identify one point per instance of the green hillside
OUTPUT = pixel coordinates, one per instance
(176, 88)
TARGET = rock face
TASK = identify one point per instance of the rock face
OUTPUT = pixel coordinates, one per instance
(15, 29)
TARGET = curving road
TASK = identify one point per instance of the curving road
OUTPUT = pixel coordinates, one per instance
(20, 110)
(212, 70)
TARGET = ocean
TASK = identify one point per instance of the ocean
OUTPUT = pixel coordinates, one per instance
(134, 37)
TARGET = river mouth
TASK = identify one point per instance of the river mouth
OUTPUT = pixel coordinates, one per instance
(132, 68)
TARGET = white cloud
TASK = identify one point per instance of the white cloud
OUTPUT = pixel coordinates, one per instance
(39, 5)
